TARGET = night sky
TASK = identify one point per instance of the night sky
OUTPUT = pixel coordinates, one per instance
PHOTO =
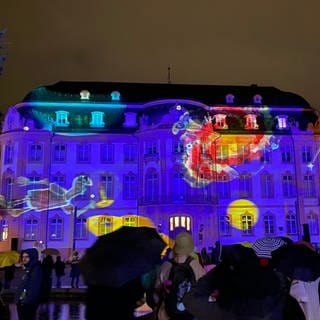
(269, 43)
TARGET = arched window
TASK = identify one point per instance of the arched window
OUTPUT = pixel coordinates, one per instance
(180, 221)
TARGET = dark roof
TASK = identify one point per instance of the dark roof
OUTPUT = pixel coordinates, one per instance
(147, 92)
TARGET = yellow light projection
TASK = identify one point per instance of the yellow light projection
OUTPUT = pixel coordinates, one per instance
(239, 208)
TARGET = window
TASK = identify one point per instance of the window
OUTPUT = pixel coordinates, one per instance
(309, 186)
(151, 148)
(35, 153)
(243, 154)
(3, 230)
(83, 153)
(8, 154)
(220, 121)
(130, 221)
(178, 147)
(97, 119)
(282, 122)
(129, 186)
(82, 186)
(265, 156)
(33, 189)
(8, 189)
(247, 224)
(130, 152)
(59, 153)
(267, 186)
(306, 154)
(56, 228)
(81, 231)
(31, 229)
(178, 187)
(251, 122)
(286, 156)
(291, 221)
(180, 221)
(107, 153)
(269, 225)
(105, 225)
(245, 185)
(222, 153)
(107, 182)
(288, 187)
(151, 186)
(312, 219)
(57, 188)
(84, 95)
(224, 225)
(62, 119)
(223, 187)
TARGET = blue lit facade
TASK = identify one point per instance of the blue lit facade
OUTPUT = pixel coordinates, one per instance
(228, 163)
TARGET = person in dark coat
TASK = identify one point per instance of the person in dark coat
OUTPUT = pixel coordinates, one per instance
(47, 267)
(28, 293)
(75, 271)
(8, 275)
(101, 301)
(59, 267)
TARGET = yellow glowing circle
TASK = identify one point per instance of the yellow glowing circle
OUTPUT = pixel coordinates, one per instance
(238, 209)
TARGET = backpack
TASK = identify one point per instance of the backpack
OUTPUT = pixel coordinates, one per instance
(182, 278)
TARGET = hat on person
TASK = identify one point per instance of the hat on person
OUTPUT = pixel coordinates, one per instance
(183, 243)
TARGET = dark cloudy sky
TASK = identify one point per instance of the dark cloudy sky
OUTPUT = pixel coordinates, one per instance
(238, 42)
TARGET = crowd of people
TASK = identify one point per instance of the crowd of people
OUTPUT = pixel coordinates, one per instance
(242, 283)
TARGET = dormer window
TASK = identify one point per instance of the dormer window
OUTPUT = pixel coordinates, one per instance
(220, 121)
(257, 99)
(251, 122)
(97, 119)
(84, 95)
(282, 122)
(229, 98)
(115, 96)
(62, 119)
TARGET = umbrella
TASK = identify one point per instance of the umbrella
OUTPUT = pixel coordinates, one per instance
(120, 256)
(298, 262)
(263, 247)
(51, 252)
(8, 258)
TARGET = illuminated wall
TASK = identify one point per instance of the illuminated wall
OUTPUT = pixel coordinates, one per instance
(74, 166)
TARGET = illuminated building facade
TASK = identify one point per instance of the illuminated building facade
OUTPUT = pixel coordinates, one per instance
(228, 163)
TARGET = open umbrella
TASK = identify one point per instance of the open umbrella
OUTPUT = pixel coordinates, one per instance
(120, 256)
(298, 262)
(8, 258)
(264, 247)
(51, 252)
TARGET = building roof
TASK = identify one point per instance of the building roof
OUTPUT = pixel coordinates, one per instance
(141, 93)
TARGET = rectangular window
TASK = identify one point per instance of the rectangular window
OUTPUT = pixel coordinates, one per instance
(247, 225)
(4, 230)
(245, 185)
(56, 229)
(59, 153)
(107, 153)
(35, 153)
(33, 190)
(57, 188)
(8, 154)
(31, 229)
(130, 152)
(288, 186)
(267, 186)
(291, 224)
(223, 187)
(265, 156)
(286, 154)
(306, 154)
(268, 221)
(224, 225)
(83, 153)
(178, 147)
(81, 231)
(309, 186)
(151, 148)
(107, 182)
(129, 187)
(105, 225)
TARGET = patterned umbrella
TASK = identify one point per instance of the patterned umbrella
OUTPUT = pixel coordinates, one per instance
(263, 247)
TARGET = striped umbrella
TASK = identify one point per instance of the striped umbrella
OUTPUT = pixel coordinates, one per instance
(263, 247)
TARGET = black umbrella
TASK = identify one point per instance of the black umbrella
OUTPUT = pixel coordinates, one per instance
(298, 262)
(121, 256)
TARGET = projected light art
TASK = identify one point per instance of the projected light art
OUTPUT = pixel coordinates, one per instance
(209, 154)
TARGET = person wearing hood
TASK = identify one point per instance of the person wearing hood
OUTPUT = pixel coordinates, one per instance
(27, 297)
